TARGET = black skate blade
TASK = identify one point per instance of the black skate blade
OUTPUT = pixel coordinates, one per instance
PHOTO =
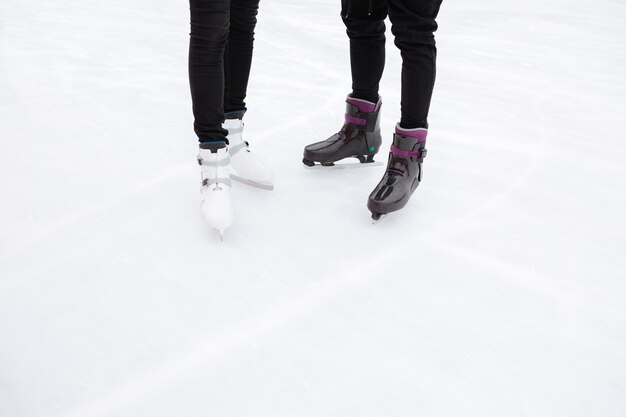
(342, 165)
(267, 187)
(377, 217)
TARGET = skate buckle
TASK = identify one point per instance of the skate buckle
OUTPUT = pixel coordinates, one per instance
(223, 181)
(218, 163)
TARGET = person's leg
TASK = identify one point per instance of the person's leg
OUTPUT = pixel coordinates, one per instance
(360, 135)
(245, 166)
(209, 32)
(238, 54)
(364, 20)
(413, 25)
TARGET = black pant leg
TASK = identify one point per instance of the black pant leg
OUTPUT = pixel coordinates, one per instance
(413, 25)
(366, 29)
(209, 32)
(238, 53)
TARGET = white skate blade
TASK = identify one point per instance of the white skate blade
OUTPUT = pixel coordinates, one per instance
(221, 233)
(343, 165)
(221, 230)
(262, 186)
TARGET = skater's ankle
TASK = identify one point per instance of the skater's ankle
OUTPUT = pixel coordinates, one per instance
(418, 133)
(371, 98)
(410, 125)
(235, 114)
(365, 105)
(213, 145)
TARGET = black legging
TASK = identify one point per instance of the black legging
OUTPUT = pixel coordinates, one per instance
(220, 55)
(412, 24)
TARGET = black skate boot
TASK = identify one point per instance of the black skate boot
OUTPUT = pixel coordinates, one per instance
(403, 175)
(358, 138)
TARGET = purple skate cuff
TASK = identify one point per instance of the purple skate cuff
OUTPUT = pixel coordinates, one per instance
(409, 154)
(417, 134)
(364, 106)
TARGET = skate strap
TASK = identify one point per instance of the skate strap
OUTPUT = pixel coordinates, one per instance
(220, 163)
(419, 154)
(234, 149)
(357, 117)
(235, 130)
(209, 181)
(355, 120)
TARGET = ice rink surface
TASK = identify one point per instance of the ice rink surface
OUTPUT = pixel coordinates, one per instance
(499, 291)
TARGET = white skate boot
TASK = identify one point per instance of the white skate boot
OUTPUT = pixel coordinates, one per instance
(245, 167)
(217, 208)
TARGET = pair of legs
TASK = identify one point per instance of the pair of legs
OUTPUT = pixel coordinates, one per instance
(413, 26)
(220, 56)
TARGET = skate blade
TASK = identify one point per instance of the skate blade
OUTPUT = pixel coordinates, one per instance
(377, 217)
(344, 165)
(267, 187)
(220, 232)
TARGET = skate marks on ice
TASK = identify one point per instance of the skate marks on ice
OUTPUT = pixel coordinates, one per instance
(147, 387)
(78, 219)
(139, 389)
(518, 263)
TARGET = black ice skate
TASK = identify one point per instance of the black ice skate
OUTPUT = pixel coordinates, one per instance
(358, 138)
(403, 174)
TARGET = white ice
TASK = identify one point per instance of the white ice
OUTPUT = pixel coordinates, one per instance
(499, 291)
